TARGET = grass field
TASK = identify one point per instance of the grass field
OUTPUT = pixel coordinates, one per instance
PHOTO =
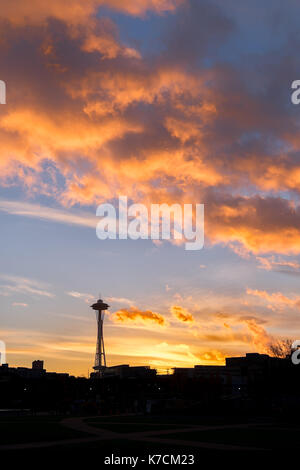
(254, 437)
(124, 447)
(127, 426)
(270, 438)
(23, 429)
(170, 420)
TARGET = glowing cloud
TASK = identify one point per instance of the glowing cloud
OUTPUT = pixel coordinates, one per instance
(182, 314)
(276, 298)
(134, 315)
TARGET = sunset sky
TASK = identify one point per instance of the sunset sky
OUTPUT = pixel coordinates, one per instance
(163, 101)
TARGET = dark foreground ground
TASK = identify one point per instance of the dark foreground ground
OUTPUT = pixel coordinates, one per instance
(112, 438)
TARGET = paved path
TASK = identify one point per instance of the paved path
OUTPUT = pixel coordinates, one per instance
(101, 434)
(145, 436)
(39, 445)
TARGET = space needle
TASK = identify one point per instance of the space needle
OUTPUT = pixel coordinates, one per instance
(100, 360)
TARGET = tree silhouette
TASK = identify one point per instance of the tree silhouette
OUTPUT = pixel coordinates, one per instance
(281, 347)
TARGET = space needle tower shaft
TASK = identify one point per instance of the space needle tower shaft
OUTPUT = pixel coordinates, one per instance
(100, 359)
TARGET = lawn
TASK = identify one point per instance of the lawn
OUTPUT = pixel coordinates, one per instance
(170, 420)
(16, 430)
(127, 427)
(264, 438)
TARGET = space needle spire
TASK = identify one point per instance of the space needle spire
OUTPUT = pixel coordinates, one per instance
(100, 359)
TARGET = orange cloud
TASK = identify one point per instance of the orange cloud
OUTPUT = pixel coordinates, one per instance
(253, 223)
(182, 314)
(140, 7)
(260, 338)
(134, 315)
(77, 11)
(255, 333)
(271, 263)
(151, 129)
(276, 298)
(212, 356)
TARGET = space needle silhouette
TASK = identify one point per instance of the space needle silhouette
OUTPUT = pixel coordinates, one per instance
(100, 359)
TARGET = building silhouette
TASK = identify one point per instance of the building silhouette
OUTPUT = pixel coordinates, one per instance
(254, 383)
